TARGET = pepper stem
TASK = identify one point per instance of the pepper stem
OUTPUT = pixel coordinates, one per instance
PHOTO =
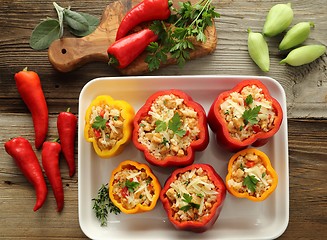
(68, 109)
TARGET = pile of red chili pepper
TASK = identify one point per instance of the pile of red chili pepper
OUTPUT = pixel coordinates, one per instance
(128, 47)
(29, 87)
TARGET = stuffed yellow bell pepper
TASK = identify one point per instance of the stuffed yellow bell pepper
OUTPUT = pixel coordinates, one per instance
(251, 175)
(108, 125)
(133, 188)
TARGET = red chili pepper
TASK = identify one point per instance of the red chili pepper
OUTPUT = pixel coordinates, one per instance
(50, 162)
(127, 49)
(66, 125)
(169, 197)
(29, 87)
(198, 144)
(21, 150)
(219, 125)
(145, 11)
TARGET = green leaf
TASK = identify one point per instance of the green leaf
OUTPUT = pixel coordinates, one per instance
(188, 199)
(75, 20)
(44, 34)
(175, 123)
(250, 115)
(250, 182)
(131, 185)
(60, 13)
(249, 99)
(99, 122)
(93, 24)
(160, 126)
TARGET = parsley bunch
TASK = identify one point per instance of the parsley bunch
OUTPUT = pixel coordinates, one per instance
(174, 35)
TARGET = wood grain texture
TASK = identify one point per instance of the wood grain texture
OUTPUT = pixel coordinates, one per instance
(305, 88)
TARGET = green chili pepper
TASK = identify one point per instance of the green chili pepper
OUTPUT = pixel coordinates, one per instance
(303, 55)
(296, 35)
(278, 19)
(258, 50)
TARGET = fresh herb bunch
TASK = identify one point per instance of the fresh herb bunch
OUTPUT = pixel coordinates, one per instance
(175, 34)
(79, 24)
(103, 205)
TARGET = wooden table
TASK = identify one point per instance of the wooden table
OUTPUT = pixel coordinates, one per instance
(305, 87)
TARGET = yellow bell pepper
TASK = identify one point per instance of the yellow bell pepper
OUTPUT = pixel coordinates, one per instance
(251, 175)
(133, 187)
(108, 125)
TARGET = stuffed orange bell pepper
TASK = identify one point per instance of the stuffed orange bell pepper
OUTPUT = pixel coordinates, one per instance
(133, 188)
(193, 197)
(169, 128)
(108, 125)
(251, 175)
(245, 115)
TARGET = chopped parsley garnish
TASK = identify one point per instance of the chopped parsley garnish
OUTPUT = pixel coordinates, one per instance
(99, 122)
(160, 126)
(165, 141)
(131, 185)
(249, 99)
(250, 115)
(263, 175)
(242, 167)
(250, 182)
(175, 123)
(188, 199)
(103, 205)
(116, 118)
(200, 195)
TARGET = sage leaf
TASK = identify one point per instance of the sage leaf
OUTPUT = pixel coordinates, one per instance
(44, 34)
(75, 20)
(93, 24)
(60, 13)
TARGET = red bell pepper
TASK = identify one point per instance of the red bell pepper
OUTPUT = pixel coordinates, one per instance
(22, 152)
(29, 87)
(124, 51)
(145, 11)
(166, 131)
(189, 205)
(249, 121)
(50, 161)
(66, 125)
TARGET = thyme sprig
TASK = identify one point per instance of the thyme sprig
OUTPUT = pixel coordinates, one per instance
(103, 205)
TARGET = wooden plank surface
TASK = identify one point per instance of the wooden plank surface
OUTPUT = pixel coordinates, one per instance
(305, 87)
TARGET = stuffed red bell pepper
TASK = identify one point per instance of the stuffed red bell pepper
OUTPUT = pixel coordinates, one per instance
(245, 115)
(193, 197)
(169, 127)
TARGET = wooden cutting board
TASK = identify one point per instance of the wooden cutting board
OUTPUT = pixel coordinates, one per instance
(67, 54)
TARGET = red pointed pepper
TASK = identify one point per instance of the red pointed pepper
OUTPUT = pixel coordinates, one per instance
(50, 162)
(21, 150)
(145, 11)
(29, 87)
(127, 49)
(66, 125)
